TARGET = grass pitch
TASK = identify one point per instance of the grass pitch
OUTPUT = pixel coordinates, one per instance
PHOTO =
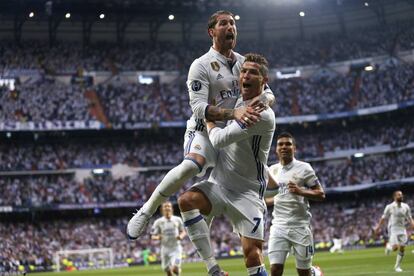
(357, 262)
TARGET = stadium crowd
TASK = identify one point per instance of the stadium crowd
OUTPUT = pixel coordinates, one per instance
(48, 190)
(68, 57)
(124, 103)
(43, 100)
(35, 243)
(140, 152)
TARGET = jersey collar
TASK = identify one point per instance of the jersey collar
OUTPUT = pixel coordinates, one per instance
(220, 57)
(290, 165)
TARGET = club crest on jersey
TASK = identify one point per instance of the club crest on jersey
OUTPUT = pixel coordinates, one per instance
(215, 66)
(196, 85)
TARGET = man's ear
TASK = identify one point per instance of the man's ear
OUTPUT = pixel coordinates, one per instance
(210, 32)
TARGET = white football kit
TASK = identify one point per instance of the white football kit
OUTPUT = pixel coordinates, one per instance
(171, 249)
(212, 79)
(397, 216)
(291, 215)
(238, 181)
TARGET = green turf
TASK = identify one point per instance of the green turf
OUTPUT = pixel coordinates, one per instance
(357, 262)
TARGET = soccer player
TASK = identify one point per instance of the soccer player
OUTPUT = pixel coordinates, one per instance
(170, 230)
(238, 181)
(213, 85)
(290, 228)
(398, 215)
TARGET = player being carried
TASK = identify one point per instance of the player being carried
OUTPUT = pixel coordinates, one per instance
(238, 181)
(398, 214)
(290, 230)
(169, 229)
(213, 85)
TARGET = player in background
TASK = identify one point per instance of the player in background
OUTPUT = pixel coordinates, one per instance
(169, 229)
(337, 243)
(213, 85)
(398, 215)
(290, 228)
(238, 181)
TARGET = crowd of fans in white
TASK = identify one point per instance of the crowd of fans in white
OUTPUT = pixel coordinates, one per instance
(123, 103)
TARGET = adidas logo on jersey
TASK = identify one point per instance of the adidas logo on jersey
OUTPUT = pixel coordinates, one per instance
(219, 76)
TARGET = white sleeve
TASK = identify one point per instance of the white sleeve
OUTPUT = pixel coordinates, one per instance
(269, 94)
(409, 217)
(310, 177)
(387, 212)
(181, 225)
(155, 229)
(234, 132)
(198, 87)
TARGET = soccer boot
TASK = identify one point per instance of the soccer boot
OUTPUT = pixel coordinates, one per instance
(137, 224)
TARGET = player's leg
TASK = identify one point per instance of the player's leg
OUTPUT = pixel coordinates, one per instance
(247, 214)
(303, 255)
(193, 205)
(253, 256)
(166, 263)
(277, 261)
(176, 265)
(402, 241)
(198, 154)
(278, 250)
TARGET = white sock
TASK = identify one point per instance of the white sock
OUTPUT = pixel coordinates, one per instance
(400, 256)
(171, 183)
(257, 270)
(199, 234)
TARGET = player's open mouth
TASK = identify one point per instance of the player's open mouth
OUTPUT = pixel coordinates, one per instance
(229, 36)
(246, 85)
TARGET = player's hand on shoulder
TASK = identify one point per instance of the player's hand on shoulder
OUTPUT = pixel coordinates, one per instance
(247, 115)
(259, 103)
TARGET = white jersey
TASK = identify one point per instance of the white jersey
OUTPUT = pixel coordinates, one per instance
(213, 79)
(241, 164)
(290, 209)
(169, 229)
(397, 216)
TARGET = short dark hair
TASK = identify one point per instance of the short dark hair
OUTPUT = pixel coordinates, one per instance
(212, 21)
(286, 134)
(259, 59)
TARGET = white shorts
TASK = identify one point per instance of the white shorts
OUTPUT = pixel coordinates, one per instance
(398, 238)
(299, 241)
(246, 214)
(171, 258)
(198, 142)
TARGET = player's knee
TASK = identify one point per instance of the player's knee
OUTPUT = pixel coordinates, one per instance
(190, 200)
(185, 202)
(276, 269)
